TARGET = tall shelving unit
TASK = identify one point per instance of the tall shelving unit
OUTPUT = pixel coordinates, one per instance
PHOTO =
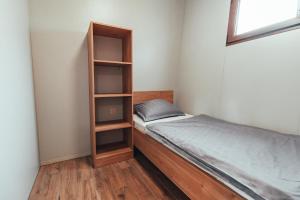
(110, 93)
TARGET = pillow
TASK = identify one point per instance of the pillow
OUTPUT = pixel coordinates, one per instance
(157, 109)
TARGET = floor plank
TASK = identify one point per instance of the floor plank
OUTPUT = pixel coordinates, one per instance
(128, 180)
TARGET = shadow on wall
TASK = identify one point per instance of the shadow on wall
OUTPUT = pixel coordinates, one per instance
(60, 63)
(81, 95)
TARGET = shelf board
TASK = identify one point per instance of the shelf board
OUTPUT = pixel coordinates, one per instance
(111, 63)
(112, 95)
(111, 125)
(112, 149)
(111, 153)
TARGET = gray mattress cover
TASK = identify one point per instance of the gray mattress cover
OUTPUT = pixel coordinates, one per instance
(261, 164)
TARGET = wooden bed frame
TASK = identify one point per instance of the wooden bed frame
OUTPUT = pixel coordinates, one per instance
(194, 182)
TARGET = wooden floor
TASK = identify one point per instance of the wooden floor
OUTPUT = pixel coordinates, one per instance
(76, 179)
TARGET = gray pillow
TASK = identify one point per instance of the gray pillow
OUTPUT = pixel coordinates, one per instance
(157, 109)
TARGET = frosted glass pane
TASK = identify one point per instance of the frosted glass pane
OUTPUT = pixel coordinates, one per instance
(255, 14)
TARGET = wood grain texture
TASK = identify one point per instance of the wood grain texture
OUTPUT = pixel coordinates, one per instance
(98, 29)
(107, 126)
(114, 156)
(91, 90)
(96, 96)
(77, 180)
(111, 63)
(141, 96)
(194, 182)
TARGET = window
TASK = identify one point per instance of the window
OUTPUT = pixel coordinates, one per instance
(252, 19)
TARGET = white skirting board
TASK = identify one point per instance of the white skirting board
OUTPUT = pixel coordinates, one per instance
(64, 158)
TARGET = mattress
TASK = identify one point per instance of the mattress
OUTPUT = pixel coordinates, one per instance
(256, 163)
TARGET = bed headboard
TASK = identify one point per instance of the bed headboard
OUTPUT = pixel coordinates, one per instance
(141, 96)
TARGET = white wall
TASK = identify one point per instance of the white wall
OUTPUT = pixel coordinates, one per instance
(255, 82)
(58, 32)
(18, 143)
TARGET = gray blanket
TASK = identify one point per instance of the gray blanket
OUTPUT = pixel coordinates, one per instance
(263, 164)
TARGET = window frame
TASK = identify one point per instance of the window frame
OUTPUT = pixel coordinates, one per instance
(276, 28)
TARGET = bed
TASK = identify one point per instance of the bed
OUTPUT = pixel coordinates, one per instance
(199, 176)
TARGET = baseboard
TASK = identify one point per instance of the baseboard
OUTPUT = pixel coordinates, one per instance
(64, 158)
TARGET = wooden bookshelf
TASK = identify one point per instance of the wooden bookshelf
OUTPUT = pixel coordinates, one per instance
(110, 93)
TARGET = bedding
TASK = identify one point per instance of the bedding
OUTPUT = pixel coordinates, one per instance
(157, 109)
(140, 124)
(256, 163)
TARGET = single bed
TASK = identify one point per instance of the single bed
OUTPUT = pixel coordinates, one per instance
(191, 162)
